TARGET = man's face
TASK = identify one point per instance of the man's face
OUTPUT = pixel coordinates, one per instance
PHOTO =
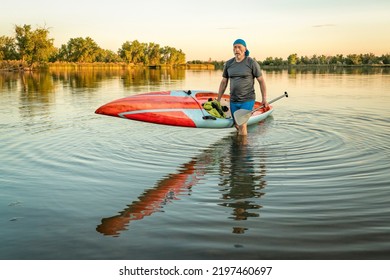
(239, 50)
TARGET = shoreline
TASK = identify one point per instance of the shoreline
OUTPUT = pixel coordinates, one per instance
(19, 66)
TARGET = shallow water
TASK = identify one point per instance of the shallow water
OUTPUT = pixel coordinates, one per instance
(310, 182)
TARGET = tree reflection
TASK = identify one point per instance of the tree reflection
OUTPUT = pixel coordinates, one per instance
(37, 93)
(8, 81)
(241, 181)
(144, 76)
(38, 89)
(36, 82)
(85, 78)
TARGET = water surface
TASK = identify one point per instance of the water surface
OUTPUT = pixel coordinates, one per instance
(310, 182)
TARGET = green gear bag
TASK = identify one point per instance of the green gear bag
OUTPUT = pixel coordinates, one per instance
(214, 108)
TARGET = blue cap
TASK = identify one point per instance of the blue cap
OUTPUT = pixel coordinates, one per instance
(242, 42)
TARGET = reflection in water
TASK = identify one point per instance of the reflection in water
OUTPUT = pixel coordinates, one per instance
(91, 78)
(38, 90)
(44, 82)
(27, 82)
(241, 180)
(41, 82)
(152, 200)
(144, 76)
(86, 79)
(37, 94)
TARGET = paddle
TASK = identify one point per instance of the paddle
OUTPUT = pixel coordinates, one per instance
(241, 116)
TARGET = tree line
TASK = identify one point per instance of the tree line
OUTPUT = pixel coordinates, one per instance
(33, 47)
(315, 60)
(339, 59)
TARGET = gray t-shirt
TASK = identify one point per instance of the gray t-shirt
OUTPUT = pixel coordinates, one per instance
(241, 75)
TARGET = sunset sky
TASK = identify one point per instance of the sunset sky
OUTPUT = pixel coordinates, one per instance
(206, 29)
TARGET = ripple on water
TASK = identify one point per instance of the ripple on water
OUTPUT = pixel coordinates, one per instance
(327, 168)
(308, 143)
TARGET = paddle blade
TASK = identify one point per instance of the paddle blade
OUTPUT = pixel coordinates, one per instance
(241, 116)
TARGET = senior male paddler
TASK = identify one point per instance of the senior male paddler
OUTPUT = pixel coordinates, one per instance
(242, 70)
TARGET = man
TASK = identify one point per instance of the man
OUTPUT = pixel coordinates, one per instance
(242, 70)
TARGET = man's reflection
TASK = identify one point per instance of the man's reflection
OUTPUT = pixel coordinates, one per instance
(241, 182)
(242, 179)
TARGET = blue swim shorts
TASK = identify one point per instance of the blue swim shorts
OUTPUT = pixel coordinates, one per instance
(247, 105)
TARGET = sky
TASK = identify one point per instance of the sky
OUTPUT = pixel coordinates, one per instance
(206, 29)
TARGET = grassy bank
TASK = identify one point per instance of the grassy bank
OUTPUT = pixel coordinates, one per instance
(19, 66)
(12, 65)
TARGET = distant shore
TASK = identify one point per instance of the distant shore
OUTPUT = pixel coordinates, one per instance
(325, 65)
(19, 66)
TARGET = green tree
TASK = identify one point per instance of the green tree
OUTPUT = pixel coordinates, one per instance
(279, 61)
(107, 56)
(268, 61)
(337, 59)
(34, 46)
(314, 59)
(323, 59)
(79, 50)
(304, 60)
(369, 58)
(8, 48)
(177, 57)
(150, 54)
(385, 58)
(353, 59)
(165, 55)
(153, 53)
(62, 53)
(292, 59)
(132, 52)
(172, 56)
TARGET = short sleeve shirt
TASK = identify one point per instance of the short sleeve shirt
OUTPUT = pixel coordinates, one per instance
(242, 75)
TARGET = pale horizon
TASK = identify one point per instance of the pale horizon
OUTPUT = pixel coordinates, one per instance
(206, 29)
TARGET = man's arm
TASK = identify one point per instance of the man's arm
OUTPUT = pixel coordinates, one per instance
(263, 89)
(222, 88)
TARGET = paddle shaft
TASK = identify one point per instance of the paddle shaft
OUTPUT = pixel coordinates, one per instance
(241, 116)
(272, 101)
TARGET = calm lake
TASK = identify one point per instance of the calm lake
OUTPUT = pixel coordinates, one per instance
(310, 182)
